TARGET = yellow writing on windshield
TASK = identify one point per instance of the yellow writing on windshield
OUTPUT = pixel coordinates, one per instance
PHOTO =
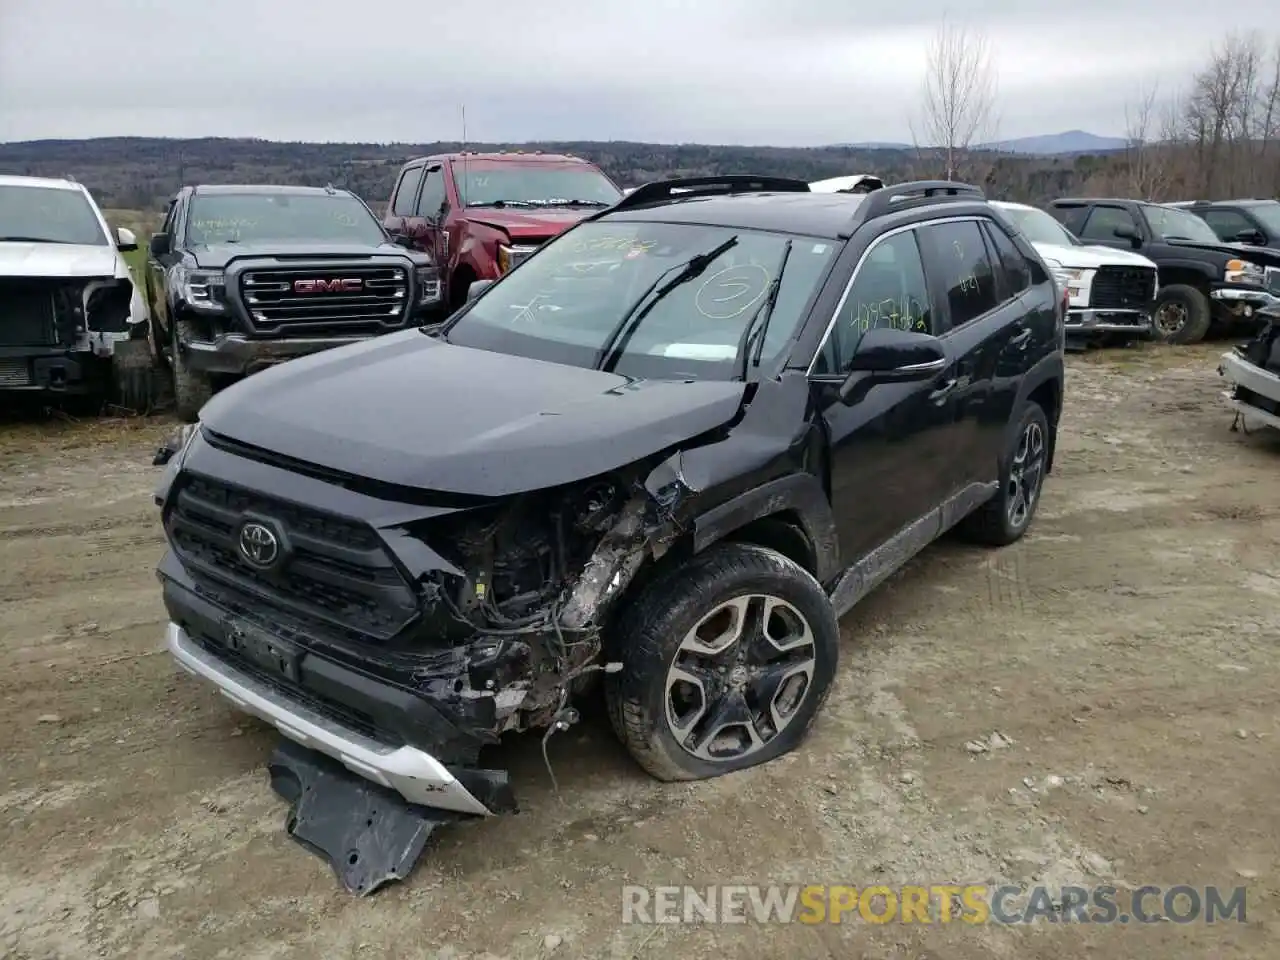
(909, 315)
(732, 291)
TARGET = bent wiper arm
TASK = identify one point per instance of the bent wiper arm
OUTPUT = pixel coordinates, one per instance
(620, 335)
(763, 314)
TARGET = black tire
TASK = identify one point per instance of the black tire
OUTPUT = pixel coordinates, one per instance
(996, 523)
(191, 390)
(653, 628)
(133, 371)
(1181, 314)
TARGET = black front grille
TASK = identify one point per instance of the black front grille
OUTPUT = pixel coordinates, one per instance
(1122, 288)
(316, 301)
(26, 315)
(335, 572)
(15, 373)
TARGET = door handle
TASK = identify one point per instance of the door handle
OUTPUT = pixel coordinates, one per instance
(944, 391)
(1020, 339)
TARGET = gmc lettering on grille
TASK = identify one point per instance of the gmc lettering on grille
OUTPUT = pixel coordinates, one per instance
(328, 286)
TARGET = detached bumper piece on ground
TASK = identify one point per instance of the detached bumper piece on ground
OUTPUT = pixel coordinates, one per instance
(1252, 372)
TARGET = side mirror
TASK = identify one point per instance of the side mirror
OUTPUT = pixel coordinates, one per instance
(1253, 237)
(1130, 234)
(126, 241)
(159, 245)
(885, 355)
(402, 240)
(478, 287)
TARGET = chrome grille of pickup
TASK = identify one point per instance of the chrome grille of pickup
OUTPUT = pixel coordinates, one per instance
(335, 572)
(1122, 288)
(309, 301)
(1273, 280)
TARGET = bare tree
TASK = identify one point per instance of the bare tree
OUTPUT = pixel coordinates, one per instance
(1145, 161)
(958, 100)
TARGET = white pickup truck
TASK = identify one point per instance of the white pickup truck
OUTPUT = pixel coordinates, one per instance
(1112, 292)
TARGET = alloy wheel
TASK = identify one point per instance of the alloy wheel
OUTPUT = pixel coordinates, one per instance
(1026, 473)
(739, 677)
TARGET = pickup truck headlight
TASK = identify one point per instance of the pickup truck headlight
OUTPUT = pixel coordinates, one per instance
(1242, 271)
(202, 289)
(512, 255)
(427, 280)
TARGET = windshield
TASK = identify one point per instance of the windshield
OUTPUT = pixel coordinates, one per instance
(1038, 226)
(565, 302)
(532, 184)
(253, 217)
(49, 215)
(1170, 223)
(1268, 214)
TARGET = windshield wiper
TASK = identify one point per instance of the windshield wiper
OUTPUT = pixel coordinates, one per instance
(620, 335)
(570, 203)
(31, 240)
(764, 313)
(505, 203)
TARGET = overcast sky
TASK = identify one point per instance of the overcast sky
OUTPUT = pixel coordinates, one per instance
(785, 72)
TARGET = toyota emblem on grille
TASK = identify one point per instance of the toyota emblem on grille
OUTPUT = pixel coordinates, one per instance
(259, 544)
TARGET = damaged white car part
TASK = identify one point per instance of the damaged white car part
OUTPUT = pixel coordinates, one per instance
(1252, 374)
(72, 320)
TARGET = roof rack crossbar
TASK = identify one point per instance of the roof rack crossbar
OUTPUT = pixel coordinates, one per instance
(683, 188)
(901, 196)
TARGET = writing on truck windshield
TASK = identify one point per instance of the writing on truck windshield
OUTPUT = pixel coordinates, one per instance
(48, 215)
(576, 299)
(267, 217)
(534, 184)
(1170, 223)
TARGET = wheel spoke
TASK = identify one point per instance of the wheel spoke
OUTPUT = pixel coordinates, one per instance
(731, 715)
(719, 630)
(779, 689)
(783, 627)
(681, 679)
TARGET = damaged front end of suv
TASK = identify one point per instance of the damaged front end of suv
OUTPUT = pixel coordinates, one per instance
(1252, 373)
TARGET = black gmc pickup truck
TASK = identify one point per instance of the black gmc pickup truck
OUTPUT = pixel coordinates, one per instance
(241, 277)
(1204, 281)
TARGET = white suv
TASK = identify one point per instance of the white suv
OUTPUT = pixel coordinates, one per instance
(71, 319)
(1112, 292)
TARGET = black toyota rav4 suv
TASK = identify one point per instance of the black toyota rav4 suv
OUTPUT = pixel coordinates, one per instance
(675, 445)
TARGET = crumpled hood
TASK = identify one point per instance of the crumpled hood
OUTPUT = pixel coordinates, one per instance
(57, 260)
(410, 410)
(1092, 257)
(216, 256)
(524, 222)
(1263, 349)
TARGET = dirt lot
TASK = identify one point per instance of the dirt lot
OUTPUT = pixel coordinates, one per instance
(1127, 648)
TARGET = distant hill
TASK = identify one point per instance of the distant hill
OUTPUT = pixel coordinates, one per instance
(1070, 143)
(142, 173)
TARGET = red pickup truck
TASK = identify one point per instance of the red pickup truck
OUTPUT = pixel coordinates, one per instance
(479, 214)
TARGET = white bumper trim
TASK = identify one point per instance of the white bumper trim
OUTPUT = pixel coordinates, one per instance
(417, 776)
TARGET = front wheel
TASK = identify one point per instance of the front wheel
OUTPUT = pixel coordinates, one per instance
(1006, 516)
(133, 374)
(1181, 314)
(726, 661)
(191, 389)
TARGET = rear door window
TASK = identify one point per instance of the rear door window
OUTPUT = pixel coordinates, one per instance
(404, 202)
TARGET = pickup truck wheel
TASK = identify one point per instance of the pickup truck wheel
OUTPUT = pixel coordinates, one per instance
(1006, 516)
(191, 390)
(133, 374)
(1181, 314)
(726, 661)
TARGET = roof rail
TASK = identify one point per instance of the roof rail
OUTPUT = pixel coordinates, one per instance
(901, 196)
(682, 188)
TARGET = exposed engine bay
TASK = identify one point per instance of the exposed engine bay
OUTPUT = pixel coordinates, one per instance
(1252, 372)
(62, 311)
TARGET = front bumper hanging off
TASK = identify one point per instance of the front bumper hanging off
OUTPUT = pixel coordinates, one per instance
(1248, 386)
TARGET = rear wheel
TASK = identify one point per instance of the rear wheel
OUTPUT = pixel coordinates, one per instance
(1181, 314)
(191, 389)
(1006, 516)
(726, 662)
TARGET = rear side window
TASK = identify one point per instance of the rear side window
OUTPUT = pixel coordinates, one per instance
(432, 198)
(960, 253)
(1104, 221)
(402, 204)
(1013, 265)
